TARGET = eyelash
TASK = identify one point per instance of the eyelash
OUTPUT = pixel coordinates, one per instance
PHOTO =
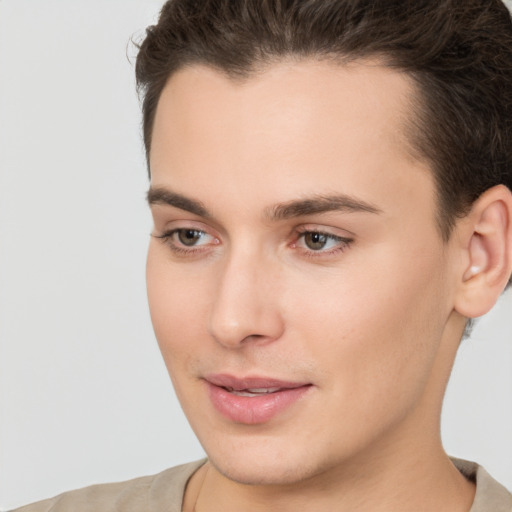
(342, 243)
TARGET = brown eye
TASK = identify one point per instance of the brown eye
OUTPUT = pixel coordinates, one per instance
(189, 237)
(315, 241)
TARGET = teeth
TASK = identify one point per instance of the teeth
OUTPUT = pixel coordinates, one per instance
(253, 391)
(263, 390)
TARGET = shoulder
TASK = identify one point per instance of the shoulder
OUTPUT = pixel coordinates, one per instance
(490, 494)
(144, 493)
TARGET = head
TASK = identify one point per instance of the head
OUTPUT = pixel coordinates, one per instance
(325, 179)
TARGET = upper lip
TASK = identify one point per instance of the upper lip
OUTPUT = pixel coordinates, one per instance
(250, 382)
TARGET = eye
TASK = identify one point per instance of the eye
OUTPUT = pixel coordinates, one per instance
(187, 240)
(321, 242)
(316, 241)
(189, 237)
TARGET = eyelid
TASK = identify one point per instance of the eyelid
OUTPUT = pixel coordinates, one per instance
(325, 230)
(168, 225)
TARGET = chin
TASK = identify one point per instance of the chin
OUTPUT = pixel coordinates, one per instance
(249, 473)
(264, 466)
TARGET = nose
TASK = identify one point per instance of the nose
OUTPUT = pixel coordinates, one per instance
(246, 308)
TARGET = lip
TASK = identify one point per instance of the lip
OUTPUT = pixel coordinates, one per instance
(251, 410)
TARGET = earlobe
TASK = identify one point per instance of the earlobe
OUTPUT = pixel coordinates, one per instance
(488, 247)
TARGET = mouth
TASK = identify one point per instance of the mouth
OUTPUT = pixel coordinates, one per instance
(253, 400)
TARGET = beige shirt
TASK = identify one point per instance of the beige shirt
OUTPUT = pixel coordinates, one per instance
(164, 493)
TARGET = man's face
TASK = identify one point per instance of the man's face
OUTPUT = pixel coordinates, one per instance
(297, 281)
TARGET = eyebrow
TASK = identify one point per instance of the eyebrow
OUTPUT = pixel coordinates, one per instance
(164, 196)
(296, 208)
(320, 204)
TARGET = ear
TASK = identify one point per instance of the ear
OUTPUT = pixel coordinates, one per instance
(487, 245)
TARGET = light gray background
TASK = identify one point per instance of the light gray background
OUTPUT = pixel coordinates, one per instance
(84, 396)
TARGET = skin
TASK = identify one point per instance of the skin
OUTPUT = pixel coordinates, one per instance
(371, 321)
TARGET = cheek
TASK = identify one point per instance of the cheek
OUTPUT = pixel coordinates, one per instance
(176, 303)
(367, 325)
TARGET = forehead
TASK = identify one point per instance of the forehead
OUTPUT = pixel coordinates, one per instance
(285, 98)
(312, 125)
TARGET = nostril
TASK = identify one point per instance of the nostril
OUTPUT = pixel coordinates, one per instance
(253, 337)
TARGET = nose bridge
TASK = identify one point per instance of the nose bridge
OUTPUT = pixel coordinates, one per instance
(245, 306)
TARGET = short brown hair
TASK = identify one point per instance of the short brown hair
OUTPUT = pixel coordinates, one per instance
(458, 53)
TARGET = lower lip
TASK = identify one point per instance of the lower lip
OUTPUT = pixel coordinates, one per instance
(253, 410)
